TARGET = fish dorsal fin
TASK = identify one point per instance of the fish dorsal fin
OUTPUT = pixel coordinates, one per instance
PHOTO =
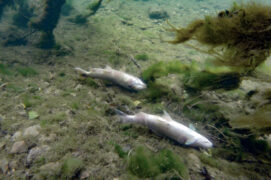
(190, 141)
(108, 67)
(167, 116)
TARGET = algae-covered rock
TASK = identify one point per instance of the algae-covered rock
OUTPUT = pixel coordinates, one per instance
(71, 167)
(259, 120)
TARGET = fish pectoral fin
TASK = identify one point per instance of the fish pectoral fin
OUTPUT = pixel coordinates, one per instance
(167, 116)
(190, 141)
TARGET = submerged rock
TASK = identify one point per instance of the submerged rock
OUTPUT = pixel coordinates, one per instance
(50, 169)
(16, 136)
(19, 147)
(32, 130)
(35, 152)
(84, 174)
(158, 14)
(4, 166)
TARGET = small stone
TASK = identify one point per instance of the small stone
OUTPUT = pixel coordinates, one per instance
(158, 14)
(19, 147)
(13, 165)
(84, 174)
(2, 145)
(32, 131)
(35, 152)
(194, 162)
(22, 113)
(78, 87)
(49, 138)
(51, 168)
(16, 136)
(4, 166)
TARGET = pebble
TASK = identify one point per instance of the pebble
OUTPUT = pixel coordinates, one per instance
(194, 162)
(2, 145)
(35, 152)
(32, 130)
(84, 175)
(16, 136)
(51, 168)
(4, 166)
(19, 147)
(47, 139)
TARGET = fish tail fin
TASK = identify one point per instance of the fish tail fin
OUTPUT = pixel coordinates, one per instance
(119, 112)
(125, 118)
(82, 72)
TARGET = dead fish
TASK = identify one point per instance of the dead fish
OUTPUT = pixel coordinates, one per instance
(118, 77)
(167, 127)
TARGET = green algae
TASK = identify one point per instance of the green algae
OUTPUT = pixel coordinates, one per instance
(120, 151)
(144, 163)
(161, 69)
(27, 71)
(142, 57)
(71, 167)
(4, 69)
(256, 121)
(47, 22)
(243, 32)
(210, 81)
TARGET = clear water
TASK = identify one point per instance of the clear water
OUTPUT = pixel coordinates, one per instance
(66, 125)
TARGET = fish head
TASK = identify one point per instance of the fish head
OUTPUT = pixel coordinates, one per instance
(204, 143)
(138, 85)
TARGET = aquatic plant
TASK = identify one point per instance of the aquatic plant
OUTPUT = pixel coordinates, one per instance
(92, 9)
(71, 167)
(27, 71)
(3, 4)
(144, 163)
(142, 57)
(94, 6)
(47, 22)
(255, 146)
(120, 151)
(89, 82)
(205, 80)
(23, 15)
(168, 161)
(256, 121)
(161, 68)
(239, 37)
(66, 9)
(4, 69)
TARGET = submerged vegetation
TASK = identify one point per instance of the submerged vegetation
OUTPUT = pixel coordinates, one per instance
(242, 32)
(47, 22)
(145, 164)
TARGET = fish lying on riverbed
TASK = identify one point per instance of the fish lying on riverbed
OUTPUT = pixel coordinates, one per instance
(118, 77)
(165, 126)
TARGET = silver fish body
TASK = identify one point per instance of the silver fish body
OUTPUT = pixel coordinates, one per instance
(118, 77)
(167, 127)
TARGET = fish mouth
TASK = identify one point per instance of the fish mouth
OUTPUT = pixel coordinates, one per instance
(140, 87)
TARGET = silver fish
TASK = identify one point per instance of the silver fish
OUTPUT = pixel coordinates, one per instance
(118, 77)
(167, 127)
